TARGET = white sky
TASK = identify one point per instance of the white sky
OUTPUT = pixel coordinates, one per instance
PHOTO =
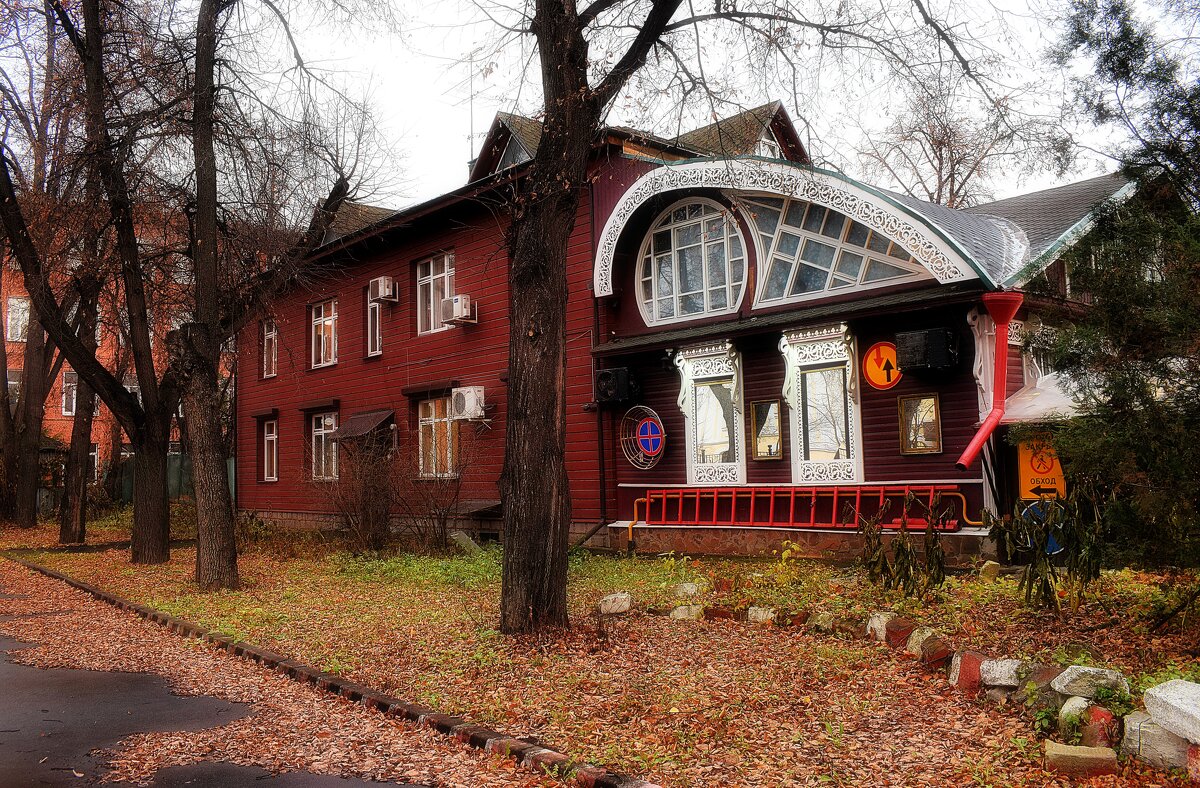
(433, 115)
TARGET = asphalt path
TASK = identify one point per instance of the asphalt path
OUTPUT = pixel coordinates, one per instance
(52, 719)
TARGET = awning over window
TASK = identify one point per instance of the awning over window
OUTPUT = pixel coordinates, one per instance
(361, 423)
(1043, 400)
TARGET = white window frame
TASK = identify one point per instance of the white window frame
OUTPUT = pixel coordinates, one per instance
(94, 459)
(428, 308)
(270, 348)
(813, 350)
(321, 432)
(646, 273)
(270, 446)
(702, 364)
(768, 243)
(428, 421)
(768, 146)
(374, 328)
(20, 304)
(324, 314)
(73, 388)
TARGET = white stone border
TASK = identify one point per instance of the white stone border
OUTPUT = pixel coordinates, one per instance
(942, 259)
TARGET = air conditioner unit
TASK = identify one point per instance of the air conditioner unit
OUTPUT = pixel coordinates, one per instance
(382, 288)
(459, 309)
(933, 349)
(615, 385)
(466, 402)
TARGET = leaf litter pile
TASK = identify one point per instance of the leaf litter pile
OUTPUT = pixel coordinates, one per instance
(707, 703)
(291, 727)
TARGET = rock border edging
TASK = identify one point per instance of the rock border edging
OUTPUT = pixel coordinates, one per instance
(534, 757)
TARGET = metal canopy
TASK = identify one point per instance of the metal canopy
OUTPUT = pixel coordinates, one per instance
(361, 423)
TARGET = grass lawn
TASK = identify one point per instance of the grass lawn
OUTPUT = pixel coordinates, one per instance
(712, 703)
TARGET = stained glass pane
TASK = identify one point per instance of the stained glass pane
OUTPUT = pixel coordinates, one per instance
(789, 244)
(850, 264)
(814, 217)
(716, 265)
(809, 280)
(857, 234)
(877, 271)
(833, 225)
(795, 213)
(691, 270)
(818, 253)
(777, 278)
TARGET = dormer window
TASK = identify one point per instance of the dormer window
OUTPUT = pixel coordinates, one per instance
(692, 263)
(768, 146)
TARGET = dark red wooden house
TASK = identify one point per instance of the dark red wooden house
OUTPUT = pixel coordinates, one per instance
(753, 343)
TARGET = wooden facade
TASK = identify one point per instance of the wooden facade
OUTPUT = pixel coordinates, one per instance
(944, 271)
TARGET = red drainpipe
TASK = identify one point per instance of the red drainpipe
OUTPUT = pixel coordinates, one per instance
(1002, 307)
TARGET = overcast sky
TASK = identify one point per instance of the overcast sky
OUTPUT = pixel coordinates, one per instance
(433, 108)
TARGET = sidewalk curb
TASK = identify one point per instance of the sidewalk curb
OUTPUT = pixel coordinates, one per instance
(534, 757)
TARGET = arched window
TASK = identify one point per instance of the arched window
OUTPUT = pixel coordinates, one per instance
(692, 263)
(812, 251)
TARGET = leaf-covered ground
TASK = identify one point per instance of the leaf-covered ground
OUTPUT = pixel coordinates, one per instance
(709, 703)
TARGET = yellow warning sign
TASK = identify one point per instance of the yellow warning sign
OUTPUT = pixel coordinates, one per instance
(880, 367)
(1039, 470)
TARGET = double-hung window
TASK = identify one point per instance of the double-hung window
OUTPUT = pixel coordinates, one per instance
(374, 328)
(18, 319)
(324, 333)
(270, 348)
(435, 283)
(270, 450)
(818, 387)
(438, 435)
(324, 448)
(70, 388)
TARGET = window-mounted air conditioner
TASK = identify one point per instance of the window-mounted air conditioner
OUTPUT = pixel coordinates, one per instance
(466, 402)
(382, 288)
(459, 309)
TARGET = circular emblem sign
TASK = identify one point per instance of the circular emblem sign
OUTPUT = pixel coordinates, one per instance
(650, 436)
(879, 366)
(643, 438)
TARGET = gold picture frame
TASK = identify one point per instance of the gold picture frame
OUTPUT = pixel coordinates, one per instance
(766, 430)
(920, 424)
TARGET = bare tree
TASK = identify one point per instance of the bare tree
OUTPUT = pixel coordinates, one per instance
(947, 147)
(162, 83)
(588, 57)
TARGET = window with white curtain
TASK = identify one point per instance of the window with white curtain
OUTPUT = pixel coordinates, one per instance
(819, 388)
(324, 333)
(324, 448)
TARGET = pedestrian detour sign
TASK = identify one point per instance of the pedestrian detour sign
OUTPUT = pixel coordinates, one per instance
(880, 367)
(1040, 472)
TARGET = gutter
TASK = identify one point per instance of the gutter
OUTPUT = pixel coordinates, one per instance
(1002, 307)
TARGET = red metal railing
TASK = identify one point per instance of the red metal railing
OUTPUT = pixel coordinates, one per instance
(797, 507)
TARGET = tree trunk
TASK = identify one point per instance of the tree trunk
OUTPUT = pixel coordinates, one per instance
(72, 527)
(533, 486)
(151, 510)
(216, 549)
(29, 429)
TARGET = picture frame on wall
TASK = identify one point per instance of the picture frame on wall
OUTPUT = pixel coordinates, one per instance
(920, 424)
(766, 434)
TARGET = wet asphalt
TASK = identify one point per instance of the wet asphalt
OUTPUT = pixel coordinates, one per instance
(52, 719)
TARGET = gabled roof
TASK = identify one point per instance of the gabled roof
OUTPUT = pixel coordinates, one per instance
(738, 135)
(1053, 218)
(354, 216)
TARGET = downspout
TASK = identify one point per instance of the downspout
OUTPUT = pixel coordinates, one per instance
(1002, 307)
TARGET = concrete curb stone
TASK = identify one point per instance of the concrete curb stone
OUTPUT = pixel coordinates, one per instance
(544, 760)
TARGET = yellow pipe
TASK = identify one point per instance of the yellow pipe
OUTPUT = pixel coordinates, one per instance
(634, 521)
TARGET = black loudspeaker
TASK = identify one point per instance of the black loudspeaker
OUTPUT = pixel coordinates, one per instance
(933, 349)
(615, 385)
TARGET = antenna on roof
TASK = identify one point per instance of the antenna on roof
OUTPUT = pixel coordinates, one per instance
(471, 111)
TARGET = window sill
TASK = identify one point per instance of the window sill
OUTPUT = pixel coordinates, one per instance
(436, 477)
(268, 377)
(438, 330)
(327, 365)
(371, 356)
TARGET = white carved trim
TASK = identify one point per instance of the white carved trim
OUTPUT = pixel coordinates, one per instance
(704, 362)
(942, 259)
(821, 348)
